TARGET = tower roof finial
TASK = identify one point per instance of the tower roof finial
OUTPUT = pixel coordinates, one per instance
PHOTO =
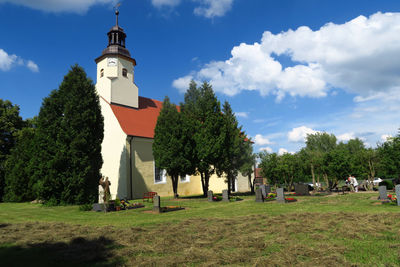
(116, 8)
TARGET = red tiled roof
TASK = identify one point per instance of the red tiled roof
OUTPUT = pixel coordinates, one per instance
(139, 122)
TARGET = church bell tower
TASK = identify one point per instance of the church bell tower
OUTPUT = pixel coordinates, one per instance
(115, 71)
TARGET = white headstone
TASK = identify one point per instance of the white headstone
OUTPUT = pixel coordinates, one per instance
(280, 196)
(398, 194)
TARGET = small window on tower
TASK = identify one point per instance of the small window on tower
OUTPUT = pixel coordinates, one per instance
(101, 73)
(124, 72)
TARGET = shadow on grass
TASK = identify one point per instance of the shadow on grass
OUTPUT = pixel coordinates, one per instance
(79, 252)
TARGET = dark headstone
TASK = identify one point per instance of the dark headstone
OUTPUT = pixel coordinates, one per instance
(397, 188)
(263, 190)
(382, 192)
(225, 196)
(267, 189)
(210, 195)
(259, 196)
(280, 196)
(301, 190)
(156, 204)
(98, 207)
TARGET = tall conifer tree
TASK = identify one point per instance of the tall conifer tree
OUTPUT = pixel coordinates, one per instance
(69, 137)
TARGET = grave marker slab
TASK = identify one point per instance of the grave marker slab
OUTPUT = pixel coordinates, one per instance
(259, 196)
(156, 204)
(225, 196)
(210, 195)
(382, 193)
(98, 207)
(267, 189)
(301, 190)
(398, 194)
(280, 196)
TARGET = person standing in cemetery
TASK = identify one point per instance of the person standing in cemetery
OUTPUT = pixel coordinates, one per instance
(350, 183)
(354, 182)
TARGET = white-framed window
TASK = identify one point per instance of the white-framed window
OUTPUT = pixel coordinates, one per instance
(185, 179)
(160, 175)
(124, 72)
(101, 73)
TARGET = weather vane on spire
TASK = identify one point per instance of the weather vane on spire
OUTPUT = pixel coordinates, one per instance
(116, 8)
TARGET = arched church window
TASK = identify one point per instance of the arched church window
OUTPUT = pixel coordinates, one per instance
(101, 73)
(124, 72)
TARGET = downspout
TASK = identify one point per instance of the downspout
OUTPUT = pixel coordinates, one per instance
(129, 139)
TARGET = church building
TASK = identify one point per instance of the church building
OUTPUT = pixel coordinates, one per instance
(129, 123)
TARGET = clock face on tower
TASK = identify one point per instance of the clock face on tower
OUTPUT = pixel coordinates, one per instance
(111, 62)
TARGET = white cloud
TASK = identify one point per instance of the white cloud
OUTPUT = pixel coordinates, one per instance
(165, 3)
(242, 114)
(345, 137)
(267, 149)
(32, 66)
(299, 134)
(182, 84)
(213, 8)
(385, 137)
(282, 151)
(359, 56)
(74, 6)
(9, 61)
(261, 140)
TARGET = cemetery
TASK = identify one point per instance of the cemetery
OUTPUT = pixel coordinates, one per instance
(330, 229)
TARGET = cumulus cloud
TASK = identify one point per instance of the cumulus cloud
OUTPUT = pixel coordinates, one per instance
(299, 134)
(9, 61)
(267, 149)
(242, 114)
(74, 6)
(345, 137)
(213, 8)
(182, 84)
(385, 137)
(359, 56)
(261, 140)
(165, 3)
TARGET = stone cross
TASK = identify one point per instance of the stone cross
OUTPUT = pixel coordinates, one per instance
(280, 196)
(382, 192)
(259, 196)
(398, 194)
(156, 204)
(301, 190)
(210, 195)
(267, 189)
(225, 195)
(263, 188)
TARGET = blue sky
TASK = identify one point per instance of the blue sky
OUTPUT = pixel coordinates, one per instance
(287, 67)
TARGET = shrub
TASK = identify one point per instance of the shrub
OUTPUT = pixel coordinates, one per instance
(388, 183)
(85, 207)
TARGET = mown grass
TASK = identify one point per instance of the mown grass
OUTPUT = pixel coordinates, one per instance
(349, 230)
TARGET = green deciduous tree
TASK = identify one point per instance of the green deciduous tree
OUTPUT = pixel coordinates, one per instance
(19, 169)
(173, 144)
(10, 124)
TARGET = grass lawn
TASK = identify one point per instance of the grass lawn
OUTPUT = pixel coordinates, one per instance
(336, 230)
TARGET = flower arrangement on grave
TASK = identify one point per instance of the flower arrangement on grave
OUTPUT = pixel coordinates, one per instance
(217, 198)
(290, 199)
(270, 196)
(393, 198)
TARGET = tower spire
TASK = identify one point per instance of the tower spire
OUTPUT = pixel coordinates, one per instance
(117, 12)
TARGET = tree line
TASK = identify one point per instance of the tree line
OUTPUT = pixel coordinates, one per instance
(201, 138)
(56, 156)
(323, 159)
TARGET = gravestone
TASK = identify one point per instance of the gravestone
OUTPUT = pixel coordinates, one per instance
(263, 190)
(98, 207)
(225, 195)
(398, 194)
(210, 195)
(280, 196)
(259, 195)
(156, 204)
(382, 193)
(267, 189)
(301, 190)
